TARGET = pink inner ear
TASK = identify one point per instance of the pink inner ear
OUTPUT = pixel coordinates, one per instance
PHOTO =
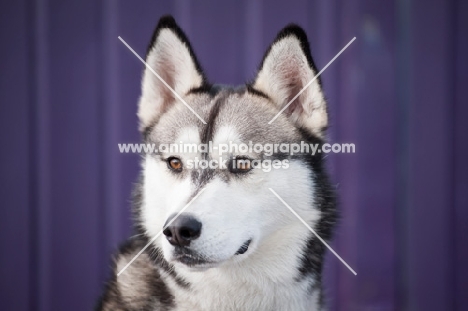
(294, 107)
(167, 72)
(292, 74)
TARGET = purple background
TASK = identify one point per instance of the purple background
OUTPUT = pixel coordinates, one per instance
(68, 95)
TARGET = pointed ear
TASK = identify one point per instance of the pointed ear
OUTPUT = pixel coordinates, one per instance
(170, 55)
(286, 69)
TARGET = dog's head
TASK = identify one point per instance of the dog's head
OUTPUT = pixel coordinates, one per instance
(222, 212)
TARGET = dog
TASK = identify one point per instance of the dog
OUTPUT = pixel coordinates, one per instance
(227, 242)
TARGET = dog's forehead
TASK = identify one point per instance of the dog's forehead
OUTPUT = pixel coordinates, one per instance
(247, 115)
(231, 114)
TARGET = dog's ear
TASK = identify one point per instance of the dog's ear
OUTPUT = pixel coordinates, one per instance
(286, 69)
(170, 55)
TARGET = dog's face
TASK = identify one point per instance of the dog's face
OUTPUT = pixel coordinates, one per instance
(232, 212)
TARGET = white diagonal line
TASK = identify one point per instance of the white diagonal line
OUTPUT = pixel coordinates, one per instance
(313, 231)
(311, 81)
(160, 232)
(162, 80)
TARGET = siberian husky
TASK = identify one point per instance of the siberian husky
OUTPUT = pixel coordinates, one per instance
(236, 246)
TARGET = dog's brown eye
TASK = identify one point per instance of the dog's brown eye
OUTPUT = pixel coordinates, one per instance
(241, 165)
(174, 164)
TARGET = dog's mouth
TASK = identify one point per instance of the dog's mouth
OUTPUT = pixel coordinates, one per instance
(195, 260)
(190, 258)
(244, 247)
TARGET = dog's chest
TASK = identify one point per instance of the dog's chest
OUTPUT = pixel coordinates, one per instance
(225, 295)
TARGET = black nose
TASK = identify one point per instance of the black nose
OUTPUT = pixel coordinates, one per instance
(182, 230)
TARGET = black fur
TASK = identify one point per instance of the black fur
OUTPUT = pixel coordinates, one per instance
(206, 88)
(325, 199)
(208, 129)
(256, 92)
